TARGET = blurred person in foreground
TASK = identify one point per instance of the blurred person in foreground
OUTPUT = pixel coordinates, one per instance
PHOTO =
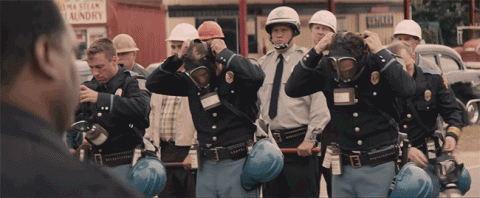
(39, 96)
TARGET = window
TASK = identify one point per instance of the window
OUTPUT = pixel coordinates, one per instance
(448, 64)
(231, 29)
(86, 36)
(429, 57)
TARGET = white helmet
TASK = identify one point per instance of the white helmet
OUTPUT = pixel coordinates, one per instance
(183, 32)
(409, 27)
(124, 43)
(286, 15)
(324, 17)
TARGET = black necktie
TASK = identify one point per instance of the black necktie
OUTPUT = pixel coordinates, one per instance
(277, 81)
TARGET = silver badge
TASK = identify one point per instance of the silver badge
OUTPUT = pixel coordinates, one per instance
(428, 95)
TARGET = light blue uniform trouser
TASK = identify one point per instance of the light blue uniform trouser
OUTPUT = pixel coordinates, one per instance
(435, 181)
(222, 179)
(366, 181)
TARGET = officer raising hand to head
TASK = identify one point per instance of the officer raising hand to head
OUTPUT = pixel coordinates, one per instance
(372, 40)
(171, 125)
(360, 86)
(221, 87)
(323, 24)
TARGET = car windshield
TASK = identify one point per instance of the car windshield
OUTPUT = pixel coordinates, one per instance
(448, 64)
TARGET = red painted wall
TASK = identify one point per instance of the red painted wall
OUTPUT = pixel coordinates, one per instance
(146, 25)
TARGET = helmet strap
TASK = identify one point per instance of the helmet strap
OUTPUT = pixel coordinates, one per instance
(281, 46)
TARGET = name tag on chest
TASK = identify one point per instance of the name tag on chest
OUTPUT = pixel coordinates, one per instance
(210, 100)
(344, 96)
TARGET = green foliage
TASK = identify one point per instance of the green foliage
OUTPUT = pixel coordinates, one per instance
(449, 13)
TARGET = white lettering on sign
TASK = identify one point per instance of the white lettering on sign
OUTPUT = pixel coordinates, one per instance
(83, 11)
(379, 21)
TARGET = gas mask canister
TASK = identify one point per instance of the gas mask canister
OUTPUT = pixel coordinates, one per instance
(201, 69)
(346, 59)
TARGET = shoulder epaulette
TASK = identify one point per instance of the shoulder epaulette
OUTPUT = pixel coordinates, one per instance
(134, 74)
(304, 50)
(269, 52)
(430, 71)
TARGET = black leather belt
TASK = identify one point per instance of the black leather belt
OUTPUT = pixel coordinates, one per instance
(284, 135)
(375, 157)
(234, 152)
(114, 159)
(171, 142)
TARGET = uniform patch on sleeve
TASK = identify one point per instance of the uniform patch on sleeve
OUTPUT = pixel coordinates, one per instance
(141, 84)
(445, 82)
(118, 92)
(229, 77)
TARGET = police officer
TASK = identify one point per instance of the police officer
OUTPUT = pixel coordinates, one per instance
(419, 114)
(360, 85)
(222, 90)
(114, 101)
(295, 122)
(39, 88)
(127, 53)
(410, 32)
(172, 129)
(322, 23)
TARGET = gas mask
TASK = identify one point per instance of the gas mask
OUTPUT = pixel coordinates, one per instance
(347, 55)
(201, 69)
(94, 133)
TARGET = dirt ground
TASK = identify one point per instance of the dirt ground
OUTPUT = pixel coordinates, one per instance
(469, 139)
(467, 152)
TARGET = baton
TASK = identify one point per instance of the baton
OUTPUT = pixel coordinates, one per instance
(294, 150)
(173, 164)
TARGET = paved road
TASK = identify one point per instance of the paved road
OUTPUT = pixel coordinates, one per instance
(472, 163)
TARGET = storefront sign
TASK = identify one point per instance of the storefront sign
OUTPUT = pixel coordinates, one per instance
(379, 21)
(84, 11)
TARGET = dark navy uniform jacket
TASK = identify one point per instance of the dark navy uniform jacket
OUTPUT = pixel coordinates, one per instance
(361, 126)
(432, 97)
(218, 126)
(122, 109)
(36, 163)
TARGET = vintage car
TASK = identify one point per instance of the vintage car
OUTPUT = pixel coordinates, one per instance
(464, 82)
(83, 71)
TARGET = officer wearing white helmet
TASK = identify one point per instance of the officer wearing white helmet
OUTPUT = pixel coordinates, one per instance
(410, 31)
(322, 23)
(127, 52)
(171, 126)
(295, 122)
(179, 34)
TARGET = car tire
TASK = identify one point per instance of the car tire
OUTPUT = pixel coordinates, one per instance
(473, 113)
(465, 118)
